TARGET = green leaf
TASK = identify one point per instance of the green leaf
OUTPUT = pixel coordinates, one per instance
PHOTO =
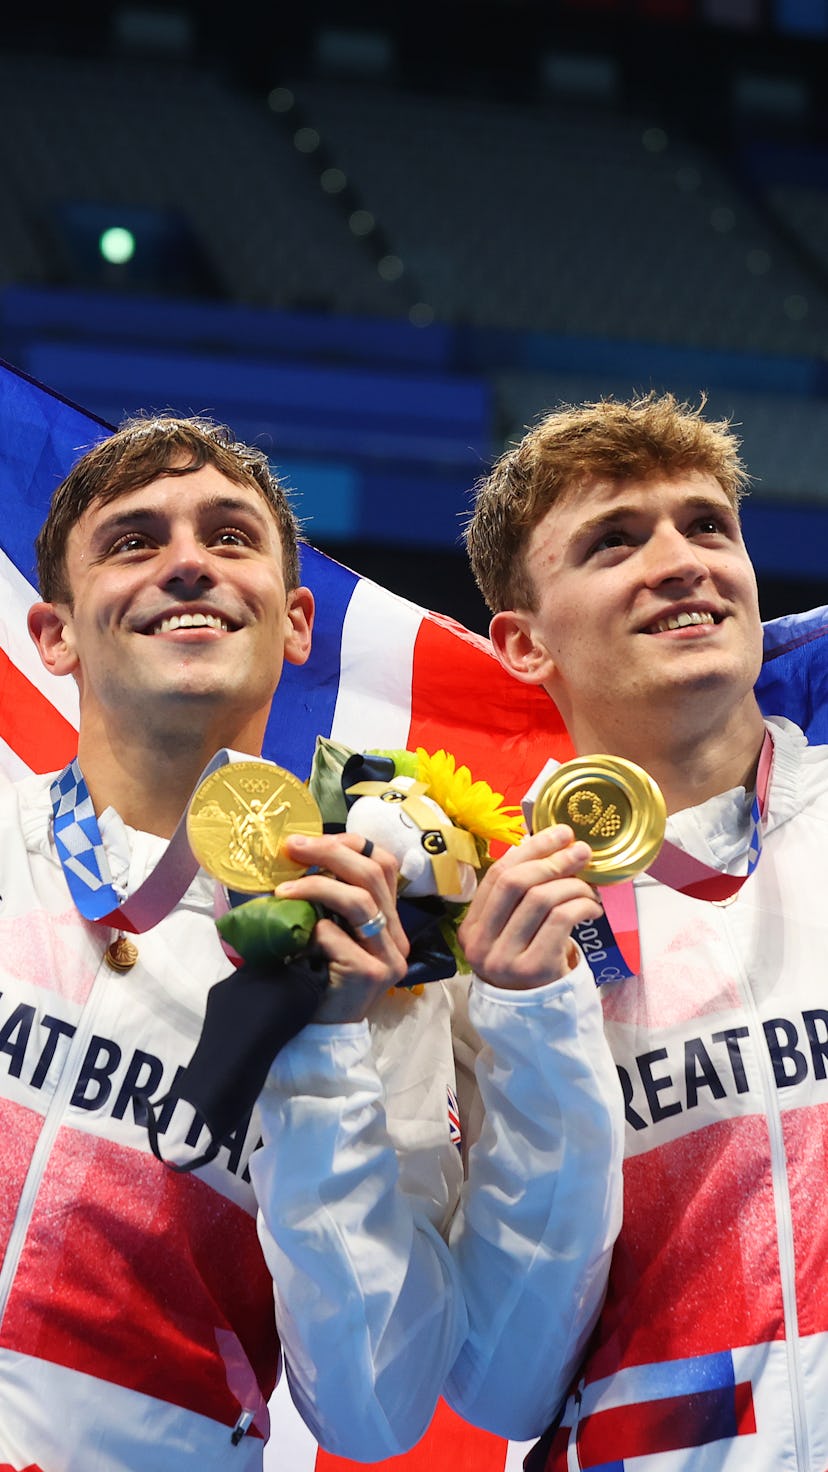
(269, 929)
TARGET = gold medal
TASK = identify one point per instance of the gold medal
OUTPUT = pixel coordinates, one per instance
(121, 953)
(614, 805)
(239, 818)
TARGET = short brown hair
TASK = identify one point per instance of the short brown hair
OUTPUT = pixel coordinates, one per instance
(143, 448)
(613, 439)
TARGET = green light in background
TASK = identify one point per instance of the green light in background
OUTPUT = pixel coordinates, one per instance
(117, 245)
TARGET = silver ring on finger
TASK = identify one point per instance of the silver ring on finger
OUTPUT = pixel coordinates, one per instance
(371, 927)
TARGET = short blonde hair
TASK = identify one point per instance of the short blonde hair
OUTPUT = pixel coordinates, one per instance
(653, 435)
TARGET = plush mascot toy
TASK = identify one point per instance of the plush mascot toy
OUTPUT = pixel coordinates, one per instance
(438, 824)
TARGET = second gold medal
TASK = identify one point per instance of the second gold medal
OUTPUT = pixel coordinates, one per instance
(614, 805)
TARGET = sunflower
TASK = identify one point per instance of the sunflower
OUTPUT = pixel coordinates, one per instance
(471, 805)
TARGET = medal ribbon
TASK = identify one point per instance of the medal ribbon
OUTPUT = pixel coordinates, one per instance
(86, 867)
(611, 944)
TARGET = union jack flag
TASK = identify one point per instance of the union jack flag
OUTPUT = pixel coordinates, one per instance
(455, 1129)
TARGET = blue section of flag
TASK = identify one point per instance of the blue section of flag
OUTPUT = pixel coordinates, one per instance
(306, 698)
(42, 437)
(683, 1377)
(794, 678)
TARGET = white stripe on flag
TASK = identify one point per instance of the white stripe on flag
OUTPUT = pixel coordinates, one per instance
(16, 598)
(516, 1452)
(11, 764)
(291, 1447)
(378, 637)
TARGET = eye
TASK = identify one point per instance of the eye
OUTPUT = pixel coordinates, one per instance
(391, 796)
(231, 536)
(609, 541)
(433, 842)
(709, 525)
(130, 542)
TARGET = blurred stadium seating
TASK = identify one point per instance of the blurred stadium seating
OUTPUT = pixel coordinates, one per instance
(383, 279)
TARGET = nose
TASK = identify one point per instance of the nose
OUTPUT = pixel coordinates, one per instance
(186, 563)
(670, 557)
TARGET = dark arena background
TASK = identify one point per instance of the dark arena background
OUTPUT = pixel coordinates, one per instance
(381, 239)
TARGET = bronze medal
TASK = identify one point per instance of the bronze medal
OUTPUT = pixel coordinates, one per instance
(239, 818)
(614, 805)
(121, 953)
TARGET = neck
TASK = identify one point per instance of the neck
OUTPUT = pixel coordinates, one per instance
(148, 778)
(690, 764)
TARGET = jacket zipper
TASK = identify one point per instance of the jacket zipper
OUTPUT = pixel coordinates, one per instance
(784, 1220)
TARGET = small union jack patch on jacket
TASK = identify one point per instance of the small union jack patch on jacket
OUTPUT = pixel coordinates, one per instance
(455, 1132)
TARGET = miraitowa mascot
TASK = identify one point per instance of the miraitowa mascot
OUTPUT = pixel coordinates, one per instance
(437, 822)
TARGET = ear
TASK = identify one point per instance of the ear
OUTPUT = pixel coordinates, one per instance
(300, 611)
(518, 648)
(50, 625)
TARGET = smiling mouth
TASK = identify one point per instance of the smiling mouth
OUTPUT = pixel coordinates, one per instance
(681, 621)
(189, 621)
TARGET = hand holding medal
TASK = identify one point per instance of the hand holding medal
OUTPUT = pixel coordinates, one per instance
(614, 805)
(238, 821)
(239, 818)
(619, 809)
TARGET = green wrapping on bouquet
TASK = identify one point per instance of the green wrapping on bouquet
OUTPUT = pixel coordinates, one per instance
(265, 930)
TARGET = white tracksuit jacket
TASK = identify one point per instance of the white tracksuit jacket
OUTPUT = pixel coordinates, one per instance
(711, 1354)
(136, 1305)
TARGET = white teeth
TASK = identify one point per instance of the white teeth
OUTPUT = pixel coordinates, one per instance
(681, 621)
(190, 621)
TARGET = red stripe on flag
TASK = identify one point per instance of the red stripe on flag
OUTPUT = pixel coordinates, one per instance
(449, 1445)
(463, 699)
(29, 723)
(744, 1408)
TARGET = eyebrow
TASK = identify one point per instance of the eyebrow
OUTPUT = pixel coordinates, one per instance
(617, 515)
(148, 515)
